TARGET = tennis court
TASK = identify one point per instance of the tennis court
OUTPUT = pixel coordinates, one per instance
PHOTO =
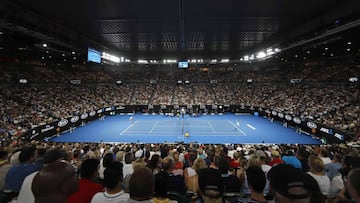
(204, 129)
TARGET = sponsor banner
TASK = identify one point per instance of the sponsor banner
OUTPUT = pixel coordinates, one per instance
(92, 113)
(311, 124)
(74, 119)
(288, 117)
(327, 130)
(281, 115)
(63, 122)
(121, 108)
(75, 82)
(84, 116)
(107, 109)
(274, 113)
(47, 128)
(339, 136)
(99, 111)
(297, 120)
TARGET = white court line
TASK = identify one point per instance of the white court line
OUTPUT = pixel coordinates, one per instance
(250, 126)
(154, 126)
(206, 134)
(128, 128)
(211, 127)
(237, 128)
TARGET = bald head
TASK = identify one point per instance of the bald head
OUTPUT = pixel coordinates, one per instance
(55, 182)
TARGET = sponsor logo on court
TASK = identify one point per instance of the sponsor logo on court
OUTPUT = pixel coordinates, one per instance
(311, 124)
(74, 119)
(84, 116)
(297, 120)
(281, 115)
(63, 122)
(288, 117)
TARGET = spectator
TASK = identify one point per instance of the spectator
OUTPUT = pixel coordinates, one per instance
(162, 182)
(141, 186)
(276, 158)
(211, 186)
(177, 183)
(257, 180)
(55, 183)
(87, 185)
(128, 167)
(231, 182)
(191, 173)
(105, 161)
(332, 169)
(289, 184)
(26, 195)
(17, 173)
(317, 172)
(155, 164)
(112, 181)
(353, 184)
(291, 159)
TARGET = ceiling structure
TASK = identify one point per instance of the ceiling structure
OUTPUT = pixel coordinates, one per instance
(184, 29)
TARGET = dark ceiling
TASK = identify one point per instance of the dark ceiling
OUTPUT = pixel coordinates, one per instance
(169, 28)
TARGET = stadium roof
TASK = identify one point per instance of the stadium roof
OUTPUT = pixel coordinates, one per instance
(171, 28)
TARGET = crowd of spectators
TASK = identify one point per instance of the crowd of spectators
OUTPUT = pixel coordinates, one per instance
(180, 172)
(325, 98)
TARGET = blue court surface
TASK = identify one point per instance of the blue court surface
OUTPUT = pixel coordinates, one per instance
(216, 129)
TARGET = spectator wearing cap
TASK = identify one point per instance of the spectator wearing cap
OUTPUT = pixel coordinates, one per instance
(317, 172)
(289, 184)
(276, 158)
(88, 186)
(112, 181)
(211, 186)
(291, 159)
(54, 183)
(17, 173)
(257, 180)
(26, 195)
(141, 186)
